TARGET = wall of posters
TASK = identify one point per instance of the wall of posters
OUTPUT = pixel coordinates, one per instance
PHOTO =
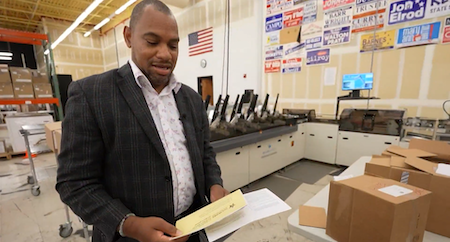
(293, 17)
(311, 29)
(317, 57)
(369, 15)
(274, 52)
(273, 38)
(419, 35)
(331, 4)
(309, 11)
(274, 23)
(446, 31)
(313, 43)
(291, 65)
(406, 10)
(382, 41)
(292, 50)
(336, 36)
(275, 6)
(272, 66)
(338, 17)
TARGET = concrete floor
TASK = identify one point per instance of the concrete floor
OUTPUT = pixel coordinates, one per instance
(25, 218)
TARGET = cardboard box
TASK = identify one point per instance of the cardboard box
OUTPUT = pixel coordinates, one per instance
(290, 35)
(50, 129)
(20, 75)
(23, 90)
(38, 77)
(418, 168)
(5, 77)
(6, 91)
(43, 90)
(58, 134)
(368, 208)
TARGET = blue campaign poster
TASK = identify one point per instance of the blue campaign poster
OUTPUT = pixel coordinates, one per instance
(274, 23)
(419, 35)
(406, 10)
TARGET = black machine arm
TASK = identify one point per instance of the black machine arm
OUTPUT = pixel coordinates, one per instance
(224, 108)
(208, 98)
(276, 103)
(216, 109)
(264, 107)
(235, 108)
(251, 109)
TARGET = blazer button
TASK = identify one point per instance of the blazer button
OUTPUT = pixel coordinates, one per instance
(167, 178)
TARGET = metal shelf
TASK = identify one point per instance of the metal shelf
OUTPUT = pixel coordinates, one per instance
(29, 101)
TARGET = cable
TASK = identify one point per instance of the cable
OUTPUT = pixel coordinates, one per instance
(228, 44)
(445, 110)
(224, 46)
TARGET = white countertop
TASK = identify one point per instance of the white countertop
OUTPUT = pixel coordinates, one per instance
(321, 200)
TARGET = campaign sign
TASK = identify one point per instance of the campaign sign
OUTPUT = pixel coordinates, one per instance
(274, 52)
(362, 2)
(274, 23)
(446, 35)
(317, 57)
(292, 65)
(272, 66)
(366, 22)
(313, 43)
(311, 29)
(370, 8)
(273, 38)
(338, 17)
(406, 10)
(293, 18)
(331, 4)
(419, 35)
(437, 8)
(336, 36)
(380, 41)
(293, 49)
(309, 11)
(274, 6)
(447, 22)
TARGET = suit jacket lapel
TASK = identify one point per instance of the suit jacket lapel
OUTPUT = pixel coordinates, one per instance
(135, 99)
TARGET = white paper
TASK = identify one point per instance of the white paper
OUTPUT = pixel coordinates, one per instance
(443, 169)
(341, 178)
(395, 191)
(260, 204)
(330, 76)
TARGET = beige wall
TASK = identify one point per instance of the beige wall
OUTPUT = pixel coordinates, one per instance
(415, 78)
(76, 55)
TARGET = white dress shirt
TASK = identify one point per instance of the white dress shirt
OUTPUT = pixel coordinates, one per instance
(170, 129)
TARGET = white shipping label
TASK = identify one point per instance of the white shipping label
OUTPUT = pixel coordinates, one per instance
(4, 70)
(23, 80)
(395, 191)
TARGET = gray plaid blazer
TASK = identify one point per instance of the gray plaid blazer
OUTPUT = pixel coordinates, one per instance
(112, 161)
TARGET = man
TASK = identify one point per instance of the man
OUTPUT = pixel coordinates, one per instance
(135, 152)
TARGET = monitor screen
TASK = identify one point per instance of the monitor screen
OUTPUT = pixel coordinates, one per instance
(362, 81)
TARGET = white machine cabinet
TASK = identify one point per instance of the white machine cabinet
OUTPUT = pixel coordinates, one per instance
(321, 142)
(352, 145)
(266, 157)
(293, 146)
(234, 165)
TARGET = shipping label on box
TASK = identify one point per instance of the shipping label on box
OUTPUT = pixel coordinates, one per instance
(43, 90)
(24, 90)
(20, 75)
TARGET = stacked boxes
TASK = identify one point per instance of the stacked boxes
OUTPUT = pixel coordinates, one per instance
(41, 85)
(22, 83)
(18, 82)
(6, 88)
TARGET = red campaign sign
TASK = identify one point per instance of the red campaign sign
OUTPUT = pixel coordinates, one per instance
(272, 66)
(293, 17)
(446, 35)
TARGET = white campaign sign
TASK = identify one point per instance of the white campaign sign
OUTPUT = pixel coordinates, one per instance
(437, 8)
(337, 18)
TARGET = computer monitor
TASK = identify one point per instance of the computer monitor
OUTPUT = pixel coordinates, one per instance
(361, 81)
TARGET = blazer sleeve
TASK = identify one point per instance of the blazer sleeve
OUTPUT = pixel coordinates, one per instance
(80, 168)
(210, 166)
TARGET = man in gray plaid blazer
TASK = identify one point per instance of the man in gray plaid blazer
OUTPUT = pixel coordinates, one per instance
(135, 152)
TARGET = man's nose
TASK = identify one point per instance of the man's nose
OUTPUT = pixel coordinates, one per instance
(163, 53)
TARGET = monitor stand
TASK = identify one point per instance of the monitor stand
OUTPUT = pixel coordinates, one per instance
(355, 94)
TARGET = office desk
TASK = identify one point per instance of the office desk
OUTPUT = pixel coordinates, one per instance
(321, 200)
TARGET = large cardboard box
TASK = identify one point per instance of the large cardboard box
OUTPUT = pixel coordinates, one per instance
(23, 90)
(5, 77)
(419, 169)
(6, 91)
(368, 208)
(38, 77)
(58, 134)
(43, 90)
(50, 129)
(20, 75)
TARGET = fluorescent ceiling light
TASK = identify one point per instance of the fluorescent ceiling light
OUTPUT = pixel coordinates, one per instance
(77, 22)
(98, 26)
(125, 6)
(87, 34)
(6, 54)
(8, 58)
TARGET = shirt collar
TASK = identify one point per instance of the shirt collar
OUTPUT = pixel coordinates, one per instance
(137, 73)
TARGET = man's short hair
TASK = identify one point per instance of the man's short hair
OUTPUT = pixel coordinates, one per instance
(139, 9)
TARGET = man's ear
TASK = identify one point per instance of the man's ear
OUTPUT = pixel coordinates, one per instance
(127, 36)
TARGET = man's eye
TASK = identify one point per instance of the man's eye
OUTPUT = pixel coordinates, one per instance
(173, 47)
(152, 43)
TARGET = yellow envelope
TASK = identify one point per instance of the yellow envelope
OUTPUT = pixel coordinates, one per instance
(211, 214)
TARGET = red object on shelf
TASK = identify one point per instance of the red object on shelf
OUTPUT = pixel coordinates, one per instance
(29, 101)
(23, 37)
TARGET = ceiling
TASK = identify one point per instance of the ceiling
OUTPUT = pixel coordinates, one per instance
(26, 15)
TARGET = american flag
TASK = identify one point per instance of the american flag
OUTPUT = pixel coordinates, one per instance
(201, 42)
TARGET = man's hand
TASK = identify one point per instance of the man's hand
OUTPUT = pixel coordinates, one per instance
(218, 192)
(151, 229)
